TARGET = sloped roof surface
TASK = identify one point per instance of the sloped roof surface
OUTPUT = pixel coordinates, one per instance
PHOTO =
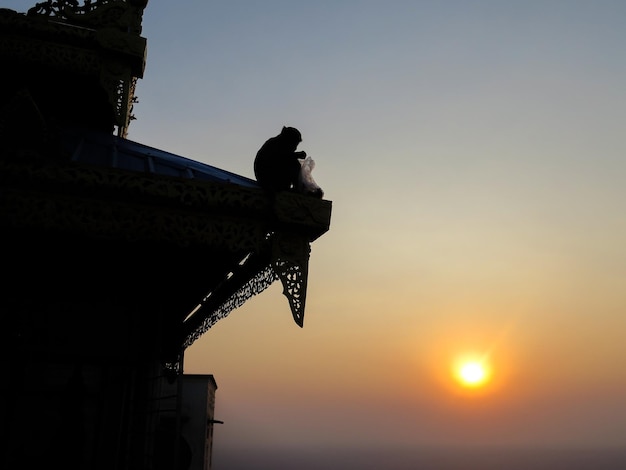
(110, 151)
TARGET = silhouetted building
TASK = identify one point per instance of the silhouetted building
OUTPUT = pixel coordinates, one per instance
(116, 255)
(188, 421)
(198, 418)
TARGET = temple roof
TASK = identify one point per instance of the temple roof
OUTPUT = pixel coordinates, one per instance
(123, 228)
(107, 150)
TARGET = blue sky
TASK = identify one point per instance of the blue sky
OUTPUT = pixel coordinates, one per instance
(474, 154)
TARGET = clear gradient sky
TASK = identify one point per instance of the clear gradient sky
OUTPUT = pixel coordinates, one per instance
(475, 153)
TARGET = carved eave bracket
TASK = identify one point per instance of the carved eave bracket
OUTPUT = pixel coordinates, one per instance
(301, 219)
(293, 222)
(290, 262)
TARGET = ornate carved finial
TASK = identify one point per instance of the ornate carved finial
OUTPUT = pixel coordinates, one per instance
(98, 39)
(125, 15)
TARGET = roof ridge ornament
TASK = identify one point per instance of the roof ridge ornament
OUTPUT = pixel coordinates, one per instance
(123, 14)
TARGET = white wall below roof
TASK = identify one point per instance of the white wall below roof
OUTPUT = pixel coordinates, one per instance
(197, 415)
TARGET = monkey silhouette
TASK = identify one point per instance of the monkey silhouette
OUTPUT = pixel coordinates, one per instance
(277, 163)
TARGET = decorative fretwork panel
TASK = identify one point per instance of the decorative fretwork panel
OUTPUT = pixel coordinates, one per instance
(257, 284)
(290, 262)
(143, 209)
(138, 186)
(128, 222)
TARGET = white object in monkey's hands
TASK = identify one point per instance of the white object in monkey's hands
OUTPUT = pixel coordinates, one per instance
(306, 183)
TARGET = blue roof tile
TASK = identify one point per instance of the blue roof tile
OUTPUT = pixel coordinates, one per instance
(107, 150)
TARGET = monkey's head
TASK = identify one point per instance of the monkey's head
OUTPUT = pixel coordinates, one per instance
(291, 135)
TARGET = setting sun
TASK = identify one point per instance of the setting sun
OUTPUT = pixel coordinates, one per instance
(472, 372)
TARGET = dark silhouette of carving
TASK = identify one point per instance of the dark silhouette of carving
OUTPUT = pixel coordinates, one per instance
(277, 164)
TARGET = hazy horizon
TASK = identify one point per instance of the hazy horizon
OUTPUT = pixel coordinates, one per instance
(423, 459)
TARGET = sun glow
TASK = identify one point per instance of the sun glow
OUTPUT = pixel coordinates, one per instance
(472, 372)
